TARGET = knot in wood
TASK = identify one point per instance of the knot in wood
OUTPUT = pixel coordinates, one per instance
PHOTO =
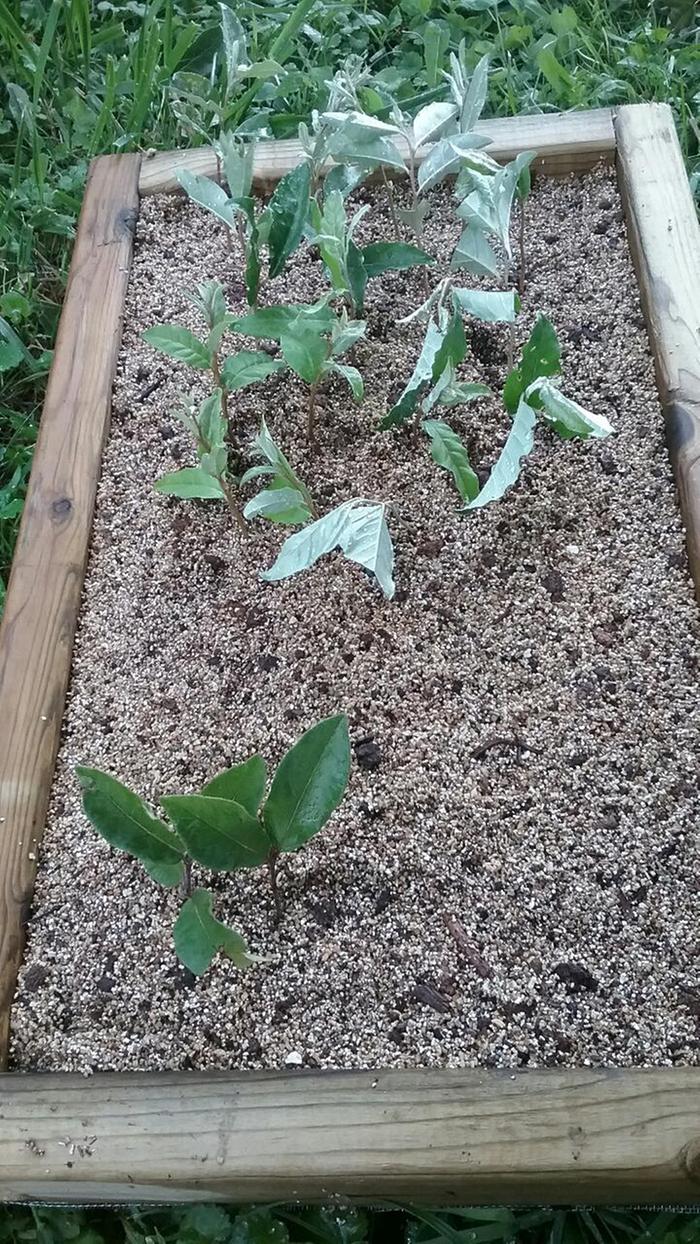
(62, 507)
(690, 1157)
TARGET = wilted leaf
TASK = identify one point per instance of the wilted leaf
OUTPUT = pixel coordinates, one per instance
(191, 483)
(124, 821)
(178, 343)
(566, 416)
(492, 306)
(353, 377)
(445, 157)
(218, 833)
(358, 528)
(449, 452)
(442, 345)
(279, 505)
(475, 253)
(207, 194)
(309, 784)
(507, 469)
(198, 936)
(244, 784)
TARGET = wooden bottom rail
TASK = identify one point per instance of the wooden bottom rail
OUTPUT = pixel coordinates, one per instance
(441, 1136)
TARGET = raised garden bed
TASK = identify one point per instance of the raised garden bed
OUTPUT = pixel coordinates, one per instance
(506, 659)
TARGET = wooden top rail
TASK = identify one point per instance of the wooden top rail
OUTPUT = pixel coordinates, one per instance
(440, 1136)
(564, 142)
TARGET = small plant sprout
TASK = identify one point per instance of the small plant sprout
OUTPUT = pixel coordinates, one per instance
(486, 202)
(312, 339)
(358, 528)
(529, 393)
(286, 499)
(224, 828)
(213, 478)
(349, 267)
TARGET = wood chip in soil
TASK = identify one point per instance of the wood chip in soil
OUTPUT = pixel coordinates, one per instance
(513, 880)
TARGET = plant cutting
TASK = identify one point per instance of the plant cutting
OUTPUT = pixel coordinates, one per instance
(228, 826)
(286, 499)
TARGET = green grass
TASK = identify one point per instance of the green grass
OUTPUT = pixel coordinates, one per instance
(211, 1224)
(78, 78)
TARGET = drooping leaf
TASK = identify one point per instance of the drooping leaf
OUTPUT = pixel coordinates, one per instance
(541, 357)
(382, 257)
(124, 821)
(358, 528)
(492, 306)
(508, 465)
(309, 784)
(279, 505)
(199, 936)
(431, 121)
(266, 447)
(244, 784)
(208, 194)
(218, 833)
(566, 416)
(191, 483)
(475, 253)
(211, 304)
(304, 349)
(353, 377)
(178, 343)
(271, 322)
(288, 212)
(449, 452)
(415, 217)
(442, 345)
(445, 157)
(247, 367)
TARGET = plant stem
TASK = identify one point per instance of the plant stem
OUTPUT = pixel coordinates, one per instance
(272, 870)
(392, 207)
(311, 414)
(233, 505)
(521, 240)
(186, 883)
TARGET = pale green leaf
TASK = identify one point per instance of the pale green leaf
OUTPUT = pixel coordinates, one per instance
(191, 483)
(353, 377)
(304, 349)
(247, 367)
(309, 784)
(508, 465)
(475, 253)
(237, 158)
(271, 322)
(492, 306)
(475, 98)
(445, 157)
(356, 527)
(207, 194)
(178, 343)
(566, 416)
(279, 505)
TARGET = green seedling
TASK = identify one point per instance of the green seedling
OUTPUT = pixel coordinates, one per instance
(286, 499)
(312, 339)
(358, 528)
(224, 828)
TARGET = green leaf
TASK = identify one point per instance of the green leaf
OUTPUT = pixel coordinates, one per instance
(358, 528)
(492, 306)
(475, 98)
(507, 469)
(179, 343)
(199, 936)
(541, 357)
(356, 274)
(436, 38)
(304, 349)
(449, 452)
(244, 784)
(11, 355)
(288, 209)
(431, 120)
(190, 483)
(343, 177)
(367, 150)
(442, 345)
(257, 1226)
(237, 159)
(279, 505)
(207, 194)
(271, 322)
(267, 448)
(382, 257)
(566, 416)
(353, 377)
(309, 784)
(252, 269)
(218, 833)
(247, 367)
(124, 821)
(474, 252)
(445, 157)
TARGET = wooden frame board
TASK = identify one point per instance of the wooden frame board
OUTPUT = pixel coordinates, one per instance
(441, 1136)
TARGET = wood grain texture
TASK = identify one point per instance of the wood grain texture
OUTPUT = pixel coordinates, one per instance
(450, 1137)
(664, 236)
(564, 141)
(43, 597)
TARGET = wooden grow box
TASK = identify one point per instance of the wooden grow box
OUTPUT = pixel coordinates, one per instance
(442, 1136)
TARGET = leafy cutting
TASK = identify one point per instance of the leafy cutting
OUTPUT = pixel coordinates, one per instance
(286, 499)
(226, 827)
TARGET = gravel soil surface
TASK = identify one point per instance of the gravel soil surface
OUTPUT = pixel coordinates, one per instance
(513, 877)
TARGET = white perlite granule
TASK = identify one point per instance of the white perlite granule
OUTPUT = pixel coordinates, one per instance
(513, 876)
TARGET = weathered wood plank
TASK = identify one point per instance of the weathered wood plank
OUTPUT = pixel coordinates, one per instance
(443, 1136)
(43, 596)
(564, 141)
(664, 236)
